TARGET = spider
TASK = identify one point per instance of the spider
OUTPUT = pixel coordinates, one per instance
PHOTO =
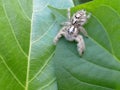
(73, 27)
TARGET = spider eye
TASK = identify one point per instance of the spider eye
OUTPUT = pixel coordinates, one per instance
(77, 16)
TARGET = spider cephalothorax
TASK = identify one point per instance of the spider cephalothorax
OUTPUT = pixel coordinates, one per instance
(80, 17)
(72, 28)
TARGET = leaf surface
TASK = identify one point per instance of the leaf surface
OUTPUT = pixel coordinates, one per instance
(99, 67)
(26, 34)
(14, 43)
(41, 72)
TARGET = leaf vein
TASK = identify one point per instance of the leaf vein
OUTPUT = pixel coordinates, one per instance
(86, 82)
(21, 49)
(39, 38)
(23, 11)
(48, 84)
(42, 68)
(15, 77)
(108, 39)
(105, 32)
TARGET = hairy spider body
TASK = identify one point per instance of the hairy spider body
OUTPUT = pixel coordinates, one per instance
(71, 33)
(72, 28)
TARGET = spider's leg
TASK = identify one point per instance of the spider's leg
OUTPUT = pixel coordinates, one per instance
(80, 44)
(83, 31)
(68, 13)
(66, 23)
(59, 35)
(89, 15)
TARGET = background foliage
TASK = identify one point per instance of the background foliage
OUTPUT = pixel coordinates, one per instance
(30, 61)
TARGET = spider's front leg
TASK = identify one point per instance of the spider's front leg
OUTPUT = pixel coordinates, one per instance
(68, 13)
(59, 35)
(89, 15)
(83, 31)
(67, 22)
(80, 44)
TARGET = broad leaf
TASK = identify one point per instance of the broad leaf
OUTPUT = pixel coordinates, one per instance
(99, 67)
(15, 18)
(26, 44)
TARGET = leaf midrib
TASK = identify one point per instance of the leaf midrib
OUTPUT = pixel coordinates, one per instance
(29, 54)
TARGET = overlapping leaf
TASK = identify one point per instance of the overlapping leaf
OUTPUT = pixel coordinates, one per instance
(99, 67)
(26, 50)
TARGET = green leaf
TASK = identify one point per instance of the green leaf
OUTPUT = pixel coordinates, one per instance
(77, 2)
(26, 44)
(14, 43)
(44, 26)
(99, 67)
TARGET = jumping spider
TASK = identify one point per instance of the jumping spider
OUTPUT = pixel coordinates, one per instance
(73, 27)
